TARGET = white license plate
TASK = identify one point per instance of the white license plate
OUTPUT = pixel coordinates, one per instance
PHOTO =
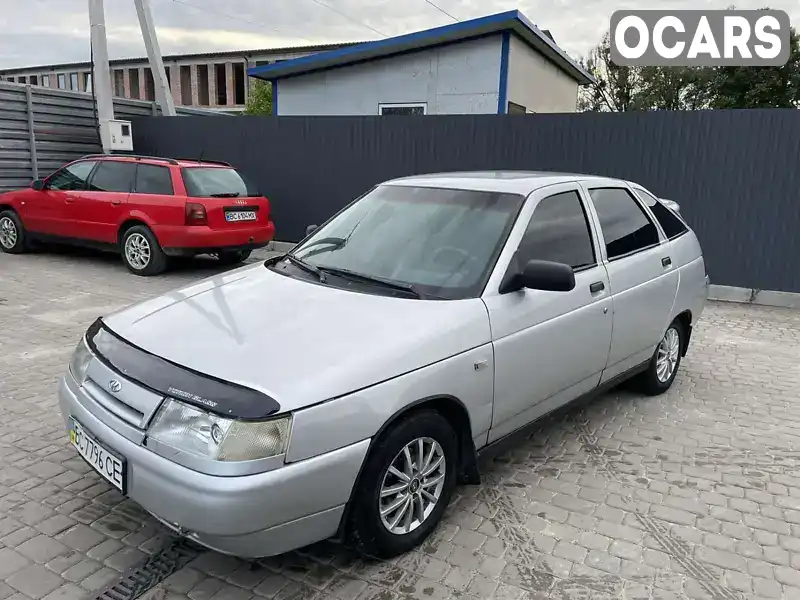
(241, 215)
(104, 461)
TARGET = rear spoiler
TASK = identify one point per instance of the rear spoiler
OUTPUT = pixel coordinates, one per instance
(671, 204)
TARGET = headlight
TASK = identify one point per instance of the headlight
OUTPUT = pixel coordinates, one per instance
(80, 361)
(197, 432)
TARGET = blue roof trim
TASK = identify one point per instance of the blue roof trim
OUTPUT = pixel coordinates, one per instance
(511, 21)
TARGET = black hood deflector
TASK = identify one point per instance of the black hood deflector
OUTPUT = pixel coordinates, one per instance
(181, 383)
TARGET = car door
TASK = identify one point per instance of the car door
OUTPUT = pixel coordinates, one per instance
(549, 347)
(99, 210)
(47, 211)
(643, 278)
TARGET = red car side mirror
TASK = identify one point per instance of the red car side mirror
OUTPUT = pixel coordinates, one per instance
(38, 185)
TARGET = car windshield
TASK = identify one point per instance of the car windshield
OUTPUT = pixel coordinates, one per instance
(207, 182)
(441, 242)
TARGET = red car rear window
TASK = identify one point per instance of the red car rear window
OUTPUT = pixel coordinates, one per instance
(216, 182)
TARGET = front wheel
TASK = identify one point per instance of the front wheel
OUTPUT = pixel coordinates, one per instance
(12, 233)
(233, 257)
(405, 486)
(141, 251)
(666, 359)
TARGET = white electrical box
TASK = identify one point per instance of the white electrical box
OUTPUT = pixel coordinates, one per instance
(120, 135)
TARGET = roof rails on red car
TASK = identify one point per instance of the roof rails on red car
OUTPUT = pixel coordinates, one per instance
(201, 161)
(171, 161)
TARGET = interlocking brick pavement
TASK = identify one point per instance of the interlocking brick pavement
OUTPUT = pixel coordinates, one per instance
(693, 494)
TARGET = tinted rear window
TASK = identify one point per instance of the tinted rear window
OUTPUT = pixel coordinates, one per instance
(205, 182)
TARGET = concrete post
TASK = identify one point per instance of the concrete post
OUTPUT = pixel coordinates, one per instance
(163, 95)
(102, 75)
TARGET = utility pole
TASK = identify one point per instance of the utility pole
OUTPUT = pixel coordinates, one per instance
(163, 93)
(101, 78)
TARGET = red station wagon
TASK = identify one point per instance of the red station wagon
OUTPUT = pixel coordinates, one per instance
(146, 208)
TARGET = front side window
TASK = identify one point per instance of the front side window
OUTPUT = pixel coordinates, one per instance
(671, 224)
(216, 182)
(151, 179)
(113, 176)
(625, 225)
(559, 231)
(72, 177)
(443, 242)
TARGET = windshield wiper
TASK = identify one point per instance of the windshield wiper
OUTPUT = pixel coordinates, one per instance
(225, 195)
(387, 283)
(305, 266)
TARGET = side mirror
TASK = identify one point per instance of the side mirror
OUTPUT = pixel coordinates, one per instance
(310, 229)
(38, 185)
(541, 275)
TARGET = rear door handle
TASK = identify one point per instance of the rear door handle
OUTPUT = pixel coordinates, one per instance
(666, 261)
(597, 286)
(69, 200)
(116, 202)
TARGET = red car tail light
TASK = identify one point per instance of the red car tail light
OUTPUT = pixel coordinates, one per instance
(196, 214)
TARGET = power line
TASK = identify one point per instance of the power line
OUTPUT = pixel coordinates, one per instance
(441, 10)
(226, 15)
(348, 17)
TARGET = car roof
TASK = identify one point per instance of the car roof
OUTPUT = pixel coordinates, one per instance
(511, 182)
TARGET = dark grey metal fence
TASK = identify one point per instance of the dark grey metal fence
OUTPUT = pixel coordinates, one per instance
(734, 172)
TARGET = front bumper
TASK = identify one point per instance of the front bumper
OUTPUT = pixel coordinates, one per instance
(249, 516)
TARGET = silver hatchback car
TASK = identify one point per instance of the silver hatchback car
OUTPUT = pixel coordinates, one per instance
(345, 388)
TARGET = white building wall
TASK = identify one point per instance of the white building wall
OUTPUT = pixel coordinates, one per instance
(460, 78)
(536, 83)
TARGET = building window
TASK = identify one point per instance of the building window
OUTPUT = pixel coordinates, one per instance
(261, 63)
(149, 85)
(46, 80)
(202, 85)
(516, 109)
(134, 77)
(222, 84)
(34, 80)
(417, 108)
(62, 81)
(238, 84)
(186, 85)
(11, 78)
(73, 82)
(119, 83)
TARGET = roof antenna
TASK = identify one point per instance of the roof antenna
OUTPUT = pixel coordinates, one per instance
(200, 160)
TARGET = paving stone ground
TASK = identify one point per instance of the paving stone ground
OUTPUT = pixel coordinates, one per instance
(693, 494)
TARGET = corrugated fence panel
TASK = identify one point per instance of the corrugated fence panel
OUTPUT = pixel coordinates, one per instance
(733, 172)
(64, 125)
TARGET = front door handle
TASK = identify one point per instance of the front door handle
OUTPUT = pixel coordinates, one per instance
(69, 200)
(115, 202)
(597, 286)
(666, 261)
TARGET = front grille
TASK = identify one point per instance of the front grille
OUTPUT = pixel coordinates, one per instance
(113, 405)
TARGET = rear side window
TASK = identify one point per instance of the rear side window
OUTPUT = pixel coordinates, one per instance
(72, 177)
(113, 176)
(559, 231)
(626, 227)
(216, 182)
(671, 224)
(151, 179)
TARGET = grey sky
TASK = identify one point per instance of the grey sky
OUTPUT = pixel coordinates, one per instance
(35, 32)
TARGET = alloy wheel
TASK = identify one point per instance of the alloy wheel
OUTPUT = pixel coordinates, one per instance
(137, 251)
(8, 233)
(667, 358)
(412, 486)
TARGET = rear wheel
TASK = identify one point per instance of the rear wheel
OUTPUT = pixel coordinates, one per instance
(141, 251)
(12, 233)
(405, 486)
(233, 257)
(666, 359)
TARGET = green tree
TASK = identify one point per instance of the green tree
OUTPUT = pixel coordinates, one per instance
(259, 101)
(617, 86)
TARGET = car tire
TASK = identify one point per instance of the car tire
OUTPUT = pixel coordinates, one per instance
(233, 257)
(375, 535)
(664, 364)
(141, 252)
(13, 238)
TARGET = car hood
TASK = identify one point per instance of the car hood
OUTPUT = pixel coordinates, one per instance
(298, 342)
